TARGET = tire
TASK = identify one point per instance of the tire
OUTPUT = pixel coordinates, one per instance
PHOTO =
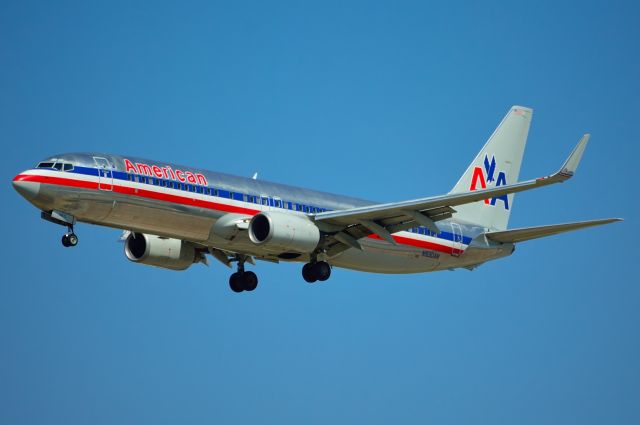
(309, 273)
(72, 238)
(65, 241)
(235, 282)
(249, 281)
(322, 270)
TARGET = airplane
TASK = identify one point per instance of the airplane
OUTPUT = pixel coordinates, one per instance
(173, 216)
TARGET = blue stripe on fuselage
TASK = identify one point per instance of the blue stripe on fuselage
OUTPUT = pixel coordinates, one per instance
(121, 175)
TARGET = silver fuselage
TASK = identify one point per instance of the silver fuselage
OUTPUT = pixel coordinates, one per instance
(185, 203)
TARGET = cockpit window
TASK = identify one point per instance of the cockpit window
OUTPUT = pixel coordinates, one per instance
(60, 166)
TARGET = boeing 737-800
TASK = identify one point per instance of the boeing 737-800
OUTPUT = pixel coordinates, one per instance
(174, 216)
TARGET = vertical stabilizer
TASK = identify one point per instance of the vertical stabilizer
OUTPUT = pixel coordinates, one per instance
(497, 164)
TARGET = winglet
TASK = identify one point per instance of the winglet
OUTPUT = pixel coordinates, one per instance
(571, 164)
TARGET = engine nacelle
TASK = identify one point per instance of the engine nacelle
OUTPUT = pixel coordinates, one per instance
(166, 253)
(281, 232)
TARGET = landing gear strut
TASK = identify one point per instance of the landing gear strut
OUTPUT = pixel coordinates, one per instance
(316, 271)
(63, 219)
(243, 280)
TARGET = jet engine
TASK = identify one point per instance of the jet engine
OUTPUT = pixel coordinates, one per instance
(166, 253)
(279, 232)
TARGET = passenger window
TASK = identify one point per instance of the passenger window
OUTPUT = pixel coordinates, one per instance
(199, 189)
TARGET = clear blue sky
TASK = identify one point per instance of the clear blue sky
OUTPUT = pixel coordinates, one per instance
(385, 101)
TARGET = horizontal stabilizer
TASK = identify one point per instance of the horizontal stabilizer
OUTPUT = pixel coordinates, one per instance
(527, 233)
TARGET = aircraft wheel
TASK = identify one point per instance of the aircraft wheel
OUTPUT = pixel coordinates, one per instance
(69, 239)
(249, 281)
(322, 270)
(72, 239)
(236, 282)
(309, 273)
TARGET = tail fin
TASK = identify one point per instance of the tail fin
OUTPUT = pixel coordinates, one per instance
(497, 164)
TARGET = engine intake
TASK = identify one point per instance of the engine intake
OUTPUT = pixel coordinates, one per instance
(152, 250)
(282, 232)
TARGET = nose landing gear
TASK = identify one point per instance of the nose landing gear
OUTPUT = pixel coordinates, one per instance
(63, 219)
(69, 239)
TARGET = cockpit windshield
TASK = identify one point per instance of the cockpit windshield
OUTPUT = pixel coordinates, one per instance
(56, 165)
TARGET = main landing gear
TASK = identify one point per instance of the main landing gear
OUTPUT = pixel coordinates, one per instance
(316, 271)
(243, 280)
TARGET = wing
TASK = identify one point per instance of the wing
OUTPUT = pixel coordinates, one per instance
(347, 226)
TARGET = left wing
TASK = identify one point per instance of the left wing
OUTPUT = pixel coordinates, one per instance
(347, 226)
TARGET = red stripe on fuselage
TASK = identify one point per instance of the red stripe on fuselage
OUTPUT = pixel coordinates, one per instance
(421, 244)
(55, 180)
(182, 200)
(141, 193)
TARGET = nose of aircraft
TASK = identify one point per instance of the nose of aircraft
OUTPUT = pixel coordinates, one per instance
(28, 189)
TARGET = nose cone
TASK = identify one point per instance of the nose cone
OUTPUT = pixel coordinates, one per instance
(28, 189)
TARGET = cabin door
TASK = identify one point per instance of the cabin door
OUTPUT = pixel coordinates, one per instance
(105, 173)
(456, 231)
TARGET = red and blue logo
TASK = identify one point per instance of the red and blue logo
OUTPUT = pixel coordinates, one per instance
(486, 177)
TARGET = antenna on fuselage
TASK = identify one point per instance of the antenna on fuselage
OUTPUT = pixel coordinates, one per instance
(255, 176)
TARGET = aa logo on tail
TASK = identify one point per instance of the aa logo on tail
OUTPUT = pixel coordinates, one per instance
(487, 176)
